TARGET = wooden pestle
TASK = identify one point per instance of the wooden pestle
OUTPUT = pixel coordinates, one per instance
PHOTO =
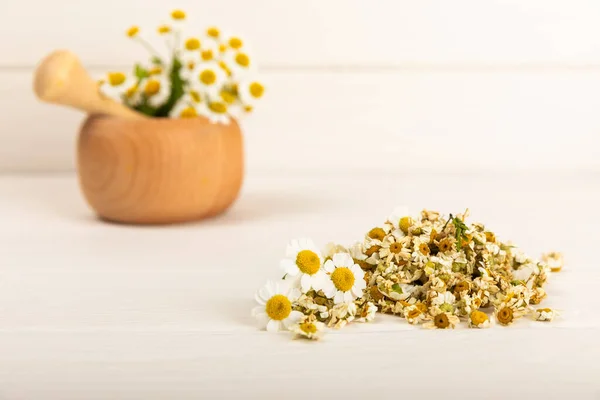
(61, 79)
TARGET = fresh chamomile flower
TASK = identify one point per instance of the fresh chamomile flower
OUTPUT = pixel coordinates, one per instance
(346, 279)
(444, 301)
(164, 29)
(214, 33)
(238, 61)
(308, 329)
(116, 84)
(478, 319)
(217, 111)
(275, 309)
(442, 320)
(133, 31)
(250, 91)
(544, 314)
(303, 261)
(187, 106)
(207, 77)
(157, 89)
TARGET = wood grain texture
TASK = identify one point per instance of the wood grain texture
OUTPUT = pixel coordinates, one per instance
(61, 79)
(102, 311)
(159, 170)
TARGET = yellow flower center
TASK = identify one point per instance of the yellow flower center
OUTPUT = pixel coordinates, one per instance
(441, 321)
(248, 109)
(372, 250)
(164, 29)
(208, 77)
(256, 90)
(505, 315)
(116, 78)
(490, 237)
(377, 233)
(195, 96)
(235, 43)
(546, 310)
(395, 248)
(131, 91)
(422, 307)
(213, 32)
(308, 262)
(308, 327)
(192, 44)
(343, 279)
(405, 223)
(242, 59)
(178, 15)
(222, 48)
(191, 65)
(207, 55)
(155, 71)
(278, 307)
(445, 245)
(478, 317)
(462, 286)
(189, 112)
(424, 249)
(217, 107)
(152, 87)
(133, 31)
(413, 313)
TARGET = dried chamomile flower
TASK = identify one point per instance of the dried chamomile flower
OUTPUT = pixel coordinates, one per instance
(275, 310)
(308, 328)
(429, 269)
(544, 314)
(554, 260)
(442, 320)
(366, 313)
(479, 319)
(414, 314)
(341, 314)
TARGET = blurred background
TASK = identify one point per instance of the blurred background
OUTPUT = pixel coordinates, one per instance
(353, 85)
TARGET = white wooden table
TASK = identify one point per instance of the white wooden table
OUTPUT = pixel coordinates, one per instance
(90, 310)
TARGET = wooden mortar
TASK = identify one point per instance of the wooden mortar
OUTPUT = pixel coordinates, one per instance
(134, 169)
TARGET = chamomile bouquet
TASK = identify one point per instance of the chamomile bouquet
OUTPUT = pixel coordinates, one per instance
(211, 75)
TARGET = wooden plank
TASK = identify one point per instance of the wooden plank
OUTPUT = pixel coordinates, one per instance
(320, 33)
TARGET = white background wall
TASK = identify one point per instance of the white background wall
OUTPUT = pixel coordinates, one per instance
(352, 84)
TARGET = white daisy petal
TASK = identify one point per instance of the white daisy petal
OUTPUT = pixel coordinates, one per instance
(273, 326)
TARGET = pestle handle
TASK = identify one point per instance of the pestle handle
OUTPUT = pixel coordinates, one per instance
(61, 79)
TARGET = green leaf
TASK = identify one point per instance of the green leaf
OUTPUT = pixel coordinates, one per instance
(177, 84)
(396, 288)
(156, 60)
(140, 72)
